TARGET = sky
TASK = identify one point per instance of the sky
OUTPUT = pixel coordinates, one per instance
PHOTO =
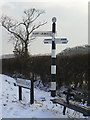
(72, 23)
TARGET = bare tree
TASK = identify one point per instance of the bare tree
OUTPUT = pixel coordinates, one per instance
(21, 32)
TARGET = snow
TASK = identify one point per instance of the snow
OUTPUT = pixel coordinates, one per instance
(11, 107)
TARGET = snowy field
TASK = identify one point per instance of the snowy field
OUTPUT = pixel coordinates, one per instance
(10, 107)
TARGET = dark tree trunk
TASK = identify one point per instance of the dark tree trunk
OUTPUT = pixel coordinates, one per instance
(26, 49)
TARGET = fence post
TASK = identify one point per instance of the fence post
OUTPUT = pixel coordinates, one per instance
(32, 90)
(68, 95)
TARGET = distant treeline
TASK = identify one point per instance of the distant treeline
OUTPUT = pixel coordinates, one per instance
(72, 69)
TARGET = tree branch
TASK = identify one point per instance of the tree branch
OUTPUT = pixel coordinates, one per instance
(15, 34)
(36, 27)
(37, 16)
(21, 31)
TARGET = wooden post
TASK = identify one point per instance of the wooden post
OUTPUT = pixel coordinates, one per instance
(67, 99)
(64, 109)
(20, 93)
(32, 90)
(68, 95)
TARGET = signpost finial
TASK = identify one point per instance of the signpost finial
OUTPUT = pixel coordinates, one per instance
(54, 19)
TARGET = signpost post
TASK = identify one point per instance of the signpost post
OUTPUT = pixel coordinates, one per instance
(20, 93)
(52, 41)
(53, 56)
(32, 90)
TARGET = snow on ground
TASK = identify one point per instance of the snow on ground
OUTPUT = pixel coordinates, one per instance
(42, 107)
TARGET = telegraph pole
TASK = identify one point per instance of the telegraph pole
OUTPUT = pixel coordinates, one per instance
(53, 56)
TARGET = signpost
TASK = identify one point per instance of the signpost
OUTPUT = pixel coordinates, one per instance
(52, 41)
(28, 84)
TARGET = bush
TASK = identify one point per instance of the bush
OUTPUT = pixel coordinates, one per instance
(71, 69)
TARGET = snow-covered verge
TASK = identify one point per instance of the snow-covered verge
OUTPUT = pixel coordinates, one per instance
(11, 107)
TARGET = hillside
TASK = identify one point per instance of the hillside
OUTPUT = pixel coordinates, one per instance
(76, 50)
(68, 51)
(7, 56)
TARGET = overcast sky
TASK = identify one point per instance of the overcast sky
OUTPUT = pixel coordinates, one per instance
(72, 22)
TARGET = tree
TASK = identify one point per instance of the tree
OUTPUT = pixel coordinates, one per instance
(21, 32)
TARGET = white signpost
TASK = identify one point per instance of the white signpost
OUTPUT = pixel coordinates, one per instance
(28, 84)
(42, 34)
(57, 41)
(52, 41)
